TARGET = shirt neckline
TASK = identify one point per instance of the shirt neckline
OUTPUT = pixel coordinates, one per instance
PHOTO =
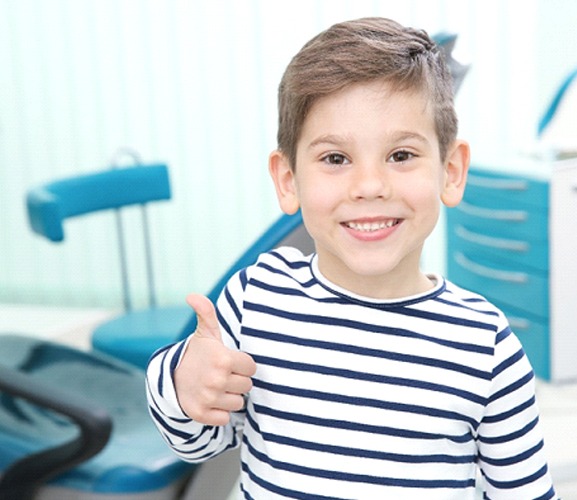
(438, 288)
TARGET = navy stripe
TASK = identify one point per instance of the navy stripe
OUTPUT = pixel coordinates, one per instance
(468, 307)
(508, 485)
(285, 492)
(357, 478)
(231, 303)
(510, 361)
(503, 334)
(361, 401)
(299, 264)
(366, 351)
(521, 457)
(227, 328)
(173, 362)
(361, 453)
(357, 325)
(371, 377)
(512, 387)
(243, 279)
(164, 424)
(510, 413)
(452, 320)
(510, 437)
(360, 427)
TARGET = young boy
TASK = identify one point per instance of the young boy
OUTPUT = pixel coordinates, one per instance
(349, 373)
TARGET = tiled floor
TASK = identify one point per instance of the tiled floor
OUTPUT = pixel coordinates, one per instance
(558, 403)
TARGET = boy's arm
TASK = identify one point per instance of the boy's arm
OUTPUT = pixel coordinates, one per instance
(192, 441)
(511, 454)
(195, 387)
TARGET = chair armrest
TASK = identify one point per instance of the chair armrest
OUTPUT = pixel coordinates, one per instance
(26, 475)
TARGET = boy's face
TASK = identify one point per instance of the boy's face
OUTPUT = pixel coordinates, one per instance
(369, 181)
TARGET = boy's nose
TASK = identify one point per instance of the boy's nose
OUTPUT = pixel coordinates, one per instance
(370, 182)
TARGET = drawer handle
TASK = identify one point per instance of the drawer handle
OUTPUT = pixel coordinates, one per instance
(489, 272)
(518, 323)
(501, 184)
(493, 214)
(489, 241)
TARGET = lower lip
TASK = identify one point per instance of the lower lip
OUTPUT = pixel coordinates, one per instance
(378, 235)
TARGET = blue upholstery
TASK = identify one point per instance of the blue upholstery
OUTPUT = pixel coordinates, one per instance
(134, 461)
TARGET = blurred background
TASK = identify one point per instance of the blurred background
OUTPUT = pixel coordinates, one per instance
(193, 83)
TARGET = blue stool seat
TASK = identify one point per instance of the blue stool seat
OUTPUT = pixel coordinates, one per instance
(137, 334)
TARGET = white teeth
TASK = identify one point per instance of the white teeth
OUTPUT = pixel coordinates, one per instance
(371, 226)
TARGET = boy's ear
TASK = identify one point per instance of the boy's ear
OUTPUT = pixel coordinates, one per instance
(456, 168)
(284, 182)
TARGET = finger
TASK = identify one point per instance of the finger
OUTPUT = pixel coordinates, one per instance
(238, 384)
(229, 402)
(207, 322)
(242, 364)
(215, 417)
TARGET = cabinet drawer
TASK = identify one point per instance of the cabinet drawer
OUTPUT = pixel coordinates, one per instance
(515, 223)
(516, 253)
(506, 191)
(522, 289)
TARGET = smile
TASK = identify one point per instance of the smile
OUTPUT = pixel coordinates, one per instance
(370, 227)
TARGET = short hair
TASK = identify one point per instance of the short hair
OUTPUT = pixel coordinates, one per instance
(360, 51)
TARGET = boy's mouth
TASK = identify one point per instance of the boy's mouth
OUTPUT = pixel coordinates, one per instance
(372, 226)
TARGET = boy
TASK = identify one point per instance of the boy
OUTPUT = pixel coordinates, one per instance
(350, 374)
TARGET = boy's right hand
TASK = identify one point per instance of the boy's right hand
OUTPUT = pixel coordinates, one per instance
(211, 378)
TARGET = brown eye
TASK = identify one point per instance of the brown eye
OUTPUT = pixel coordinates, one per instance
(335, 159)
(401, 156)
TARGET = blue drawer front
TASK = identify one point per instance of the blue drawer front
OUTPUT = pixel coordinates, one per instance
(518, 223)
(521, 289)
(500, 245)
(506, 191)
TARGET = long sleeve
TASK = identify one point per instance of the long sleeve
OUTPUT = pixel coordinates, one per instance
(192, 441)
(511, 454)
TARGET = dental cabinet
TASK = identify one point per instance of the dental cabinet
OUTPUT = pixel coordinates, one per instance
(513, 239)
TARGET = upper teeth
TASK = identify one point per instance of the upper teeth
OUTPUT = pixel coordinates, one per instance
(371, 226)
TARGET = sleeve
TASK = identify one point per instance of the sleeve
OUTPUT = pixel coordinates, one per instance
(192, 441)
(511, 448)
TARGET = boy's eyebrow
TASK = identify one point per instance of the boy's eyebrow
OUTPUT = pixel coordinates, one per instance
(398, 136)
(332, 139)
(403, 135)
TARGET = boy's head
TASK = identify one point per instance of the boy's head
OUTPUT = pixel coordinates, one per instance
(360, 51)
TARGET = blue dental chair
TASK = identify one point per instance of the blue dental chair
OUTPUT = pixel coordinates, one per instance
(136, 333)
(74, 425)
(51, 204)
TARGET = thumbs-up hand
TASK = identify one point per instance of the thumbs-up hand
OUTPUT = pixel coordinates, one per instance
(211, 379)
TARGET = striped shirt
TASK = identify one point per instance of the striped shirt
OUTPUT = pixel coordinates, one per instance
(357, 398)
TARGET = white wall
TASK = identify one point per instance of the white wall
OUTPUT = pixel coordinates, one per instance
(193, 83)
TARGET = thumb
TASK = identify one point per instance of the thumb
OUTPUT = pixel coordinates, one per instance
(207, 322)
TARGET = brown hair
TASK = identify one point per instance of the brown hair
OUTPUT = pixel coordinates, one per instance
(359, 51)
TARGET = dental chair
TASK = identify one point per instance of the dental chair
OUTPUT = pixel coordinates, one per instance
(74, 425)
(51, 204)
(136, 333)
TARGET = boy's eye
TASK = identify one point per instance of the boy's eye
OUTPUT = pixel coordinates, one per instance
(401, 156)
(335, 159)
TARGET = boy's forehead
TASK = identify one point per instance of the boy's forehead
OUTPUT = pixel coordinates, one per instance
(383, 95)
